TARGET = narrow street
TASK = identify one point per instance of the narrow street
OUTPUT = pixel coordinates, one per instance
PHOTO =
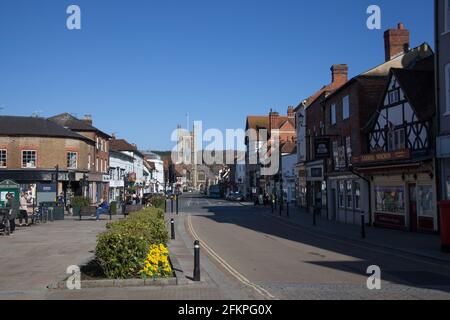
(277, 260)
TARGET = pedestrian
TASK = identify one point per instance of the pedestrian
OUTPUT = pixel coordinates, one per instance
(11, 204)
(23, 213)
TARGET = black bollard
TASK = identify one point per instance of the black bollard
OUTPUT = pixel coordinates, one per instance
(271, 203)
(172, 228)
(177, 203)
(165, 205)
(287, 209)
(171, 204)
(281, 208)
(363, 225)
(314, 217)
(196, 260)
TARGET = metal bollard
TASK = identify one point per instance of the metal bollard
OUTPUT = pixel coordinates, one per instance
(171, 205)
(314, 217)
(196, 260)
(177, 203)
(287, 209)
(363, 225)
(165, 205)
(272, 202)
(172, 229)
(281, 208)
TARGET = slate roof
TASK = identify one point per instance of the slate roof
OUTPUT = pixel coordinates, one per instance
(35, 127)
(123, 145)
(69, 121)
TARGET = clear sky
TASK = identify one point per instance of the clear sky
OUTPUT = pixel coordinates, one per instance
(138, 66)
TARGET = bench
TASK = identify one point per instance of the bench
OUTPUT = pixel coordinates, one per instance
(132, 208)
(88, 211)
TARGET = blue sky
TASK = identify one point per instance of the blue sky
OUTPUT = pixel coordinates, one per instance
(138, 66)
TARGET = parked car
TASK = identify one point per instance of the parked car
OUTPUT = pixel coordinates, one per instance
(237, 196)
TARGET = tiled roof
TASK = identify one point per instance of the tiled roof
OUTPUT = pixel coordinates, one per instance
(35, 127)
(262, 122)
(288, 147)
(123, 145)
(75, 124)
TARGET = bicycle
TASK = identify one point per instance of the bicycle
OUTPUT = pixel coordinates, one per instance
(5, 224)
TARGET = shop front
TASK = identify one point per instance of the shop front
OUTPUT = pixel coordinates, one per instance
(405, 201)
(348, 199)
(316, 188)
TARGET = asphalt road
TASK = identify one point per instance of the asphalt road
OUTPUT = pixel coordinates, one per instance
(276, 260)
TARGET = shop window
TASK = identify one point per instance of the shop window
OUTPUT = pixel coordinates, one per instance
(390, 200)
(29, 159)
(3, 155)
(425, 197)
(348, 145)
(72, 158)
(357, 189)
(341, 194)
(349, 195)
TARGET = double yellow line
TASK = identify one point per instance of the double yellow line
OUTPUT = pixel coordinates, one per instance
(263, 292)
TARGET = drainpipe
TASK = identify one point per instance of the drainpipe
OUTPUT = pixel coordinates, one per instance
(437, 175)
(370, 196)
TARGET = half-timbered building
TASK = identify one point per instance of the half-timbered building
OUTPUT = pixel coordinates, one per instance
(400, 162)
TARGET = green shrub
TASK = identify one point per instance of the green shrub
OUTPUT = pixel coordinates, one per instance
(122, 249)
(157, 202)
(78, 202)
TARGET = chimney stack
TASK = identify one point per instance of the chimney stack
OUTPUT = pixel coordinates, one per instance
(339, 74)
(396, 42)
(273, 120)
(291, 112)
(88, 119)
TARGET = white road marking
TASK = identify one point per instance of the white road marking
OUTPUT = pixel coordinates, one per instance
(263, 292)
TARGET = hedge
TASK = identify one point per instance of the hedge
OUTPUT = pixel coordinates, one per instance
(122, 249)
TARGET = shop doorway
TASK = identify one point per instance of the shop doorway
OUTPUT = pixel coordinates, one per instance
(412, 207)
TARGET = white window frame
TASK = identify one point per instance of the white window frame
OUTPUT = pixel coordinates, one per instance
(96, 165)
(394, 98)
(346, 107)
(333, 117)
(89, 162)
(35, 160)
(6, 158)
(76, 159)
(447, 89)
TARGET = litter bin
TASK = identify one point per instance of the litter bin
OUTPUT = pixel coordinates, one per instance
(445, 225)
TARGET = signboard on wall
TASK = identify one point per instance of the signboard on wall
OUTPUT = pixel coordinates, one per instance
(322, 148)
(382, 156)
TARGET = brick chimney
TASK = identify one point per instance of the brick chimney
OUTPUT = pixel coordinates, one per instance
(290, 112)
(396, 42)
(339, 74)
(88, 119)
(273, 120)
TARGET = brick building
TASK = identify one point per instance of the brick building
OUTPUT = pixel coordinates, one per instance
(275, 125)
(32, 148)
(98, 161)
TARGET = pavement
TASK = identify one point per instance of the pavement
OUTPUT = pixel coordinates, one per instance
(247, 253)
(423, 245)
